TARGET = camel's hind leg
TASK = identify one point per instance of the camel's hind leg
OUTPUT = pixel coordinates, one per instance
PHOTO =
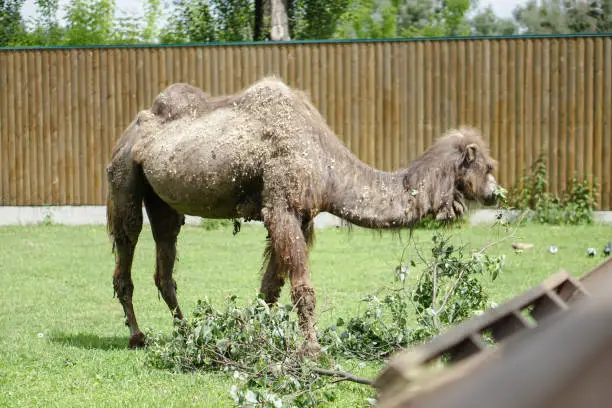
(165, 224)
(124, 222)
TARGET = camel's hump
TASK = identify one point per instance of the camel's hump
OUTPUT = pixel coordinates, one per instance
(179, 100)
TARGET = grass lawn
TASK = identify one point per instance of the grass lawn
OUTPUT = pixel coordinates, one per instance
(62, 337)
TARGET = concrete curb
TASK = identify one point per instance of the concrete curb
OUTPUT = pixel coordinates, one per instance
(96, 215)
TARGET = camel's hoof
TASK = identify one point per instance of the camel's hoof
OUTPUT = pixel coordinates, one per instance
(310, 349)
(137, 341)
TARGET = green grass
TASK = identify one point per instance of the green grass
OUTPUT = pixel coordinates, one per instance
(62, 337)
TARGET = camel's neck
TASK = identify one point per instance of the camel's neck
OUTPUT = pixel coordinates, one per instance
(372, 198)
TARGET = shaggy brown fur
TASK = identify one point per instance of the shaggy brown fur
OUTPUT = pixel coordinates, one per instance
(267, 154)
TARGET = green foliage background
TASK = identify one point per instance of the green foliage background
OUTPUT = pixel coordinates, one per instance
(89, 22)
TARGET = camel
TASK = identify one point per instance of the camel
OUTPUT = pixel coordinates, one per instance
(267, 154)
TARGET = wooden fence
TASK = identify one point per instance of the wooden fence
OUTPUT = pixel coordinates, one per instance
(62, 109)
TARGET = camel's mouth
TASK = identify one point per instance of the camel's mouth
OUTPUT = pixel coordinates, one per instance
(490, 200)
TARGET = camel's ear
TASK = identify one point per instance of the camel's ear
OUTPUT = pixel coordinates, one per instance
(470, 152)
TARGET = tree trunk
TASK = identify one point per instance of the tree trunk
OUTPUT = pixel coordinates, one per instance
(259, 17)
(280, 21)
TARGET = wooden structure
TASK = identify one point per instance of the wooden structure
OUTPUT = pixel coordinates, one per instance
(552, 348)
(61, 109)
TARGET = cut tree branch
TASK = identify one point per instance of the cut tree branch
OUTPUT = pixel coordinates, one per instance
(342, 376)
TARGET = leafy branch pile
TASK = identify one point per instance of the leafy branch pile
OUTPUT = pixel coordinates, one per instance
(446, 292)
(259, 345)
(575, 205)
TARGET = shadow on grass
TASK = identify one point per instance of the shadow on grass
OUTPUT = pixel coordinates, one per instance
(91, 341)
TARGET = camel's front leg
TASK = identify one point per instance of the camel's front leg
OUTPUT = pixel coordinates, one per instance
(289, 247)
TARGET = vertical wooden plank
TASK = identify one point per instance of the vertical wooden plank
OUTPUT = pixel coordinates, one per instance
(361, 118)
(597, 56)
(413, 128)
(73, 139)
(145, 89)
(347, 96)
(169, 66)
(155, 55)
(388, 106)
(607, 124)
(104, 134)
(564, 140)
(488, 96)
(430, 56)
(29, 127)
(206, 61)
(545, 106)
(192, 67)
(308, 63)
(235, 78)
(326, 83)
(162, 64)
(476, 73)
(497, 99)
(12, 126)
(243, 79)
(316, 78)
(448, 99)
(438, 93)
(177, 64)
(275, 67)
(503, 101)
(353, 113)
(97, 117)
(585, 115)
(379, 106)
(5, 166)
(111, 102)
(398, 88)
(511, 103)
(521, 115)
(140, 72)
(296, 67)
(231, 69)
(421, 102)
(554, 116)
(83, 69)
(165, 68)
(46, 68)
(34, 128)
(468, 86)
(150, 76)
(406, 95)
(536, 71)
(315, 75)
(371, 107)
(573, 108)
(335, 87)
(63, 125)
(263, 56)
(23, 129)
(135, 70)
(198, 66)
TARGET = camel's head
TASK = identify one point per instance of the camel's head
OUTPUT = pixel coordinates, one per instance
(474, 167)
(458, 168)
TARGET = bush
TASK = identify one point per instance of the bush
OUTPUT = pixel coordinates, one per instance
(575, 206)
